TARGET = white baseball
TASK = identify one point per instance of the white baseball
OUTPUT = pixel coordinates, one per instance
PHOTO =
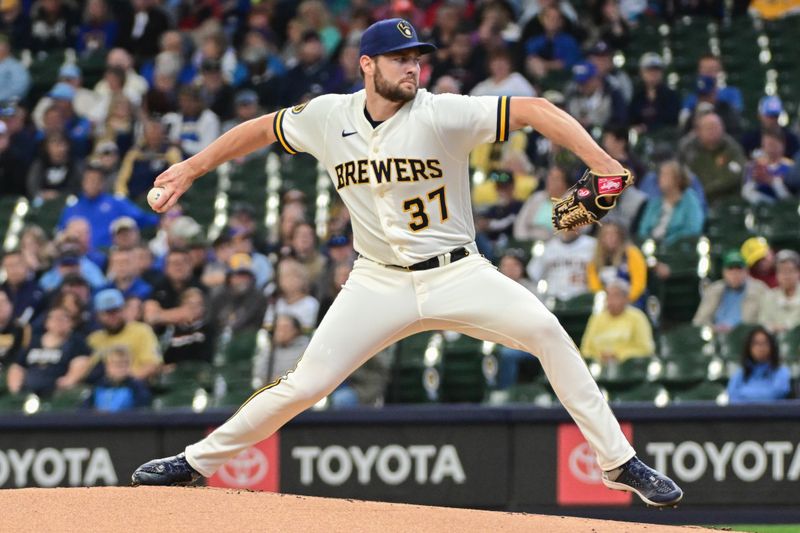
(154, 194)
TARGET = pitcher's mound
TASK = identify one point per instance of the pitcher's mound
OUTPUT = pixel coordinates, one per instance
(178, 510)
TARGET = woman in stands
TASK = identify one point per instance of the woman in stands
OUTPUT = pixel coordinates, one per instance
(677, 213)
(617, 258)
(762, 378)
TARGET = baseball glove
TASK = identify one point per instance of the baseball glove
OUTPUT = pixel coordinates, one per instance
(589, 200)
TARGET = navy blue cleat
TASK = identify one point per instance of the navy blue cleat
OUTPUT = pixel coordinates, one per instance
(173, 471)
(652, 487)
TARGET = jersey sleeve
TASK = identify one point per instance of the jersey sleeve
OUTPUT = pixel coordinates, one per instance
(301, 128)
(473, 120)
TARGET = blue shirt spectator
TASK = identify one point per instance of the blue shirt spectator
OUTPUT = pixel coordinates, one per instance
(648, 184)
(761, 378)
(101, 209)
(14, 77)
(677, 212)
(71, 262)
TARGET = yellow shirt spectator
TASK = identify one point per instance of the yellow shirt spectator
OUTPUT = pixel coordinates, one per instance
(140, 340)
(620, 331)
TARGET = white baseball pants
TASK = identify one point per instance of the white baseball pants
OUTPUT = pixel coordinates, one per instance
(380, 305)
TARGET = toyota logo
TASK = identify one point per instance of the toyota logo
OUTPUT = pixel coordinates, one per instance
(246, 469)
(583, 465)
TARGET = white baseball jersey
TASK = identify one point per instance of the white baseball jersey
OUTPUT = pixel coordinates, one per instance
(406, 181)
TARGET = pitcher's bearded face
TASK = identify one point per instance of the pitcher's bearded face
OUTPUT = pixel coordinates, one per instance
(396, 75)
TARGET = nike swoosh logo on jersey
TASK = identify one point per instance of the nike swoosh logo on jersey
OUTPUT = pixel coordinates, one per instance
(348, 133)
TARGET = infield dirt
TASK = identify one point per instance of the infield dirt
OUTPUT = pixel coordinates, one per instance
(178, 510)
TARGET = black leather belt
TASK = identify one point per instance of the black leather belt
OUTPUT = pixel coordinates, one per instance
(436, 262)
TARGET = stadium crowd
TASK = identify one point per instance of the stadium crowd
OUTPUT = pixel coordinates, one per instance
(118, 298)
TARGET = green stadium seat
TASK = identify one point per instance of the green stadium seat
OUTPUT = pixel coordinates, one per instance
(628, 373)
(686, 341)
(241, 347)
(532, 393)
(46, 214)
(704, 392)
(11, 403)
(574, 314)
(682, 372)
(651, 393)
(68, 400)
(188, 374)
(183, 398)
(412, 379)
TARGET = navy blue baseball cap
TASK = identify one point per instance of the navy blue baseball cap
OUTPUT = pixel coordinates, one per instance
(391, 35)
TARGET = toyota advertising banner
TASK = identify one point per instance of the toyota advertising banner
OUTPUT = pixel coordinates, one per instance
(88, 458)
(457, 465)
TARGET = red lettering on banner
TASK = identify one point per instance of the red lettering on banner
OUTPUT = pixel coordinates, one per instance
(610, 185)
(578, 479)
(256, 468)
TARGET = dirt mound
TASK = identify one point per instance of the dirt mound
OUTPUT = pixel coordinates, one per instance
(178, 510)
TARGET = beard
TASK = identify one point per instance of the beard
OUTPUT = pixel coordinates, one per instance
(393, 93)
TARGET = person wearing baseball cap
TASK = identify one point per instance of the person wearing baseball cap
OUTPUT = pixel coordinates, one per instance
(654, 105)
(732, 300)
(770, 109)
(592, 100)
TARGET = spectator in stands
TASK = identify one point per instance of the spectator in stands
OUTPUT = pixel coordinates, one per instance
(262, 267)
(54, 172)
(194, 337)
(56, 359)
(101, 208)
(288, 344)
(617, 258)
(338, 250)
(145, 265)
(339, 275)
(74, 296)
(84, 102)
(348, 75)
(15, 22)
(503, 80)
(312, 73)
(193, 127)
(70, 260)
(120, 123)
(770, 109)
(12, 167)
(620, 331)
(607, 24)
(711, 66)
(677, 212)
(21, 288)
(561, 270)
(141, 28)
(138, 338)
(654, 105)
(120, 63)
(217, 94)
(77, 231)
(592, 101)
(761, 378)
(98, 30)
(532, 18)
(164, 308)
(760, 260)
(631, 202)
(305, 249)
(125, 234)
(16, 79)
(54, 26)
(767, 176)
(496, 223)
(239, 305)
(714, 156)
(151, 156)
(316, 15)
(24, 137)
(294, 297)
(707, 100)
(601, 55)
(780, 310)
(123, 275)
(13, 335)
(77, 128)
(106, 157)
(462, 59)
(512, 265)
(733, 300)
(36, 249)
(553, 51)
(117, 390)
